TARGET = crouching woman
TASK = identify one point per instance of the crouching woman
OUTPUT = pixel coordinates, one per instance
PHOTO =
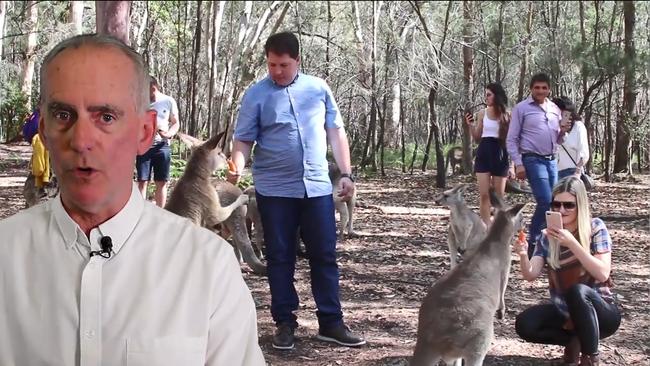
(583, 309)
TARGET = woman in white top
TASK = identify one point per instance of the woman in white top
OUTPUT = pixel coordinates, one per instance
(491, 164)
(573, 154)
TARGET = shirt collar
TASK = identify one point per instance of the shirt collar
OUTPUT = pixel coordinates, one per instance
(285, 86)
(118, 227)
(530, 100)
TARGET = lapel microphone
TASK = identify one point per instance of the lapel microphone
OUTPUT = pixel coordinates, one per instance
(107, 246)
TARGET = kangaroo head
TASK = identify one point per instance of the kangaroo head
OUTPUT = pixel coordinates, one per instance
(508, 219)
(207, 154)
(451, 196)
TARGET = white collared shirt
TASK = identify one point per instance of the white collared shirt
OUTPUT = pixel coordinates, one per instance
(171, 293)
(577, 145)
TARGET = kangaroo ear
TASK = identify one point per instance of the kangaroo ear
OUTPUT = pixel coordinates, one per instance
(516, 209)
(190, 141)
(214, 141)
(496, 200)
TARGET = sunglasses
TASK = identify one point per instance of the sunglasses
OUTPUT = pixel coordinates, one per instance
(556, 205)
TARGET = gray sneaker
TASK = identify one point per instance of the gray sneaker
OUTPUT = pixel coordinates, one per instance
(340, 335)
(283, 338)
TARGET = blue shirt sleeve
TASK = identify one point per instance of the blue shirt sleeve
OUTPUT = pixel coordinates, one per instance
(333, 117)
(601, 242)
(247, 126)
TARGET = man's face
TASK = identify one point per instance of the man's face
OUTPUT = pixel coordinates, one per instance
(282, 68)
(540, 91)
(92, 127)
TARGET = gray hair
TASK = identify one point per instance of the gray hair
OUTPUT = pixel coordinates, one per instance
(104, 41)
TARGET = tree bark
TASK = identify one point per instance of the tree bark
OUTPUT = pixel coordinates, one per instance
(3, 16)
(622, 150)
(30, 51)
(113, 17)
(76, 16)
(499, 41)
(194, 82)
(523, 69)
(468, 82)
(217, 18)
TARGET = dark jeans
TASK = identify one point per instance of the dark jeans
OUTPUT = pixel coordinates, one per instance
(542, 176)
(282, 217)
(158, 158)
(593, 319)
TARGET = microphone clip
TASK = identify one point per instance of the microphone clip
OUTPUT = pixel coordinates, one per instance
(107, 247)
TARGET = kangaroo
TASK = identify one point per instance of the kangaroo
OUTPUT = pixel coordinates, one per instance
(34, 196)
(455, 159)
(456, 318)
(253, 219)
(466, 229)
(236, 224)
(194, 196)
(344, 207)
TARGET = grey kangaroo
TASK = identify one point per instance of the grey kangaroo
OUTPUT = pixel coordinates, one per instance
(456, 318)
(344, 207)
(236, 224)
(254, 220)
(194, 196)
(466, 229)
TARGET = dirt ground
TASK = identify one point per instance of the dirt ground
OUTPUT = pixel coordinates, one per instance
(402, 250)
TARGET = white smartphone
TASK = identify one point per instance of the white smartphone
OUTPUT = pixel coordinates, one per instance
(554, 220)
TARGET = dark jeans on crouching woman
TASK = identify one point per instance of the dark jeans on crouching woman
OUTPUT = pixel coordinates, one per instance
(593, 319)
(282, 217)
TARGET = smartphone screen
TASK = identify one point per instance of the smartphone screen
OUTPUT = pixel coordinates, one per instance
(553, 220)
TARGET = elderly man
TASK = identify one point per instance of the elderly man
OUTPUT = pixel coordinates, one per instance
(97, 276)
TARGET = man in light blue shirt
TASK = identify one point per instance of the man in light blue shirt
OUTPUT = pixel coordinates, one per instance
(533, 138)
(291, 117)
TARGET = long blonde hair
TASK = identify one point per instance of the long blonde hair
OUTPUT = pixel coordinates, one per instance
(574, 186)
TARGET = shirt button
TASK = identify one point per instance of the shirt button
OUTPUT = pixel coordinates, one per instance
(90, 334)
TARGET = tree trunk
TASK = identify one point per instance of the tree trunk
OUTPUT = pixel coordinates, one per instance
(30, 54)
(523, 69)
(622, 152)
(194, 82)
(499, 41)
(76, 16)
(113, 17)
(217, 18)
(3, 15)
(441, 177)
(468, 82)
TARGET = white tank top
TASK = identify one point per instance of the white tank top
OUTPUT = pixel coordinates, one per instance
(490, 127)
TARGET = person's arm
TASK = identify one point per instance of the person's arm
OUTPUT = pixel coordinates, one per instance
(173, 126)
(245, 134)
(338, 139)
(241, 151)
(530, 268)
(599, 265)
(583, 147)
(477, 131)
(513, 140)
(232, 333)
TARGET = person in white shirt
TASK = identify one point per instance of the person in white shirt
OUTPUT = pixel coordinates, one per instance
(573, 154)
(158, 158)
(97, 275)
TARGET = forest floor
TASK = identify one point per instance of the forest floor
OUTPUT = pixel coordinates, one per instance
(402, 249)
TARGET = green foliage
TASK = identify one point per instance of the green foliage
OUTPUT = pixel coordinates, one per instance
(13, 110)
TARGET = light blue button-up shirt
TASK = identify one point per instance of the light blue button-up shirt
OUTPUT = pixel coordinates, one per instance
(534, 128)
(288, 125)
